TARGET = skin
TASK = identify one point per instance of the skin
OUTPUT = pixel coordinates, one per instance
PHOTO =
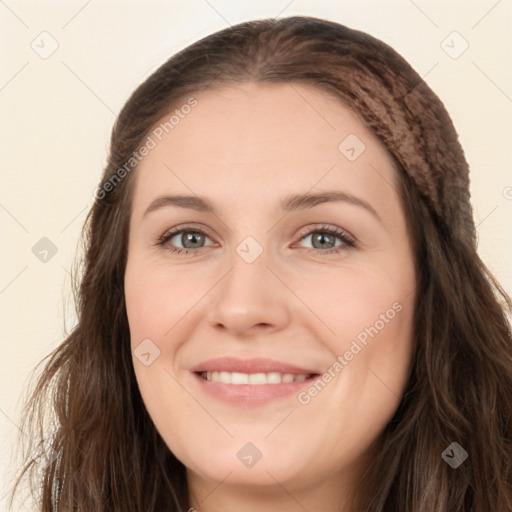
(244, 148)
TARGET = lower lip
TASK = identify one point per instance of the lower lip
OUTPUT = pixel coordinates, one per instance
(251, 394)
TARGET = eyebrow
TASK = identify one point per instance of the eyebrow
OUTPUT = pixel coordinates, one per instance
(288, 204)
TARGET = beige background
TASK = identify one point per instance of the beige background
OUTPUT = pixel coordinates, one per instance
(57, 112)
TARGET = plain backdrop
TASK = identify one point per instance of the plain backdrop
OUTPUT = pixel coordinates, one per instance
(57, 110)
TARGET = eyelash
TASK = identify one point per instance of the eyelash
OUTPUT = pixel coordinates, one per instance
(348, 241)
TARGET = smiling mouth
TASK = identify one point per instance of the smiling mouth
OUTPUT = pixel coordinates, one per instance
(238, 378)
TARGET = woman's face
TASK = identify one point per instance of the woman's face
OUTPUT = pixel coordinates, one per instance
(269, 349)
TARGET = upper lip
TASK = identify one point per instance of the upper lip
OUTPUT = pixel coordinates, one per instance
(253, 365)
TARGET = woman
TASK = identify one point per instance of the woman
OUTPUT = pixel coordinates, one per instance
(219, 362)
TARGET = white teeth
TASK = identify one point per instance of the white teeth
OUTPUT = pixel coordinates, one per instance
(237, 378)
(253, 378)
(273, 378)
(257, 378)
(224, 377)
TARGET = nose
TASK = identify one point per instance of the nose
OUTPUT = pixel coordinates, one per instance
(249, 299)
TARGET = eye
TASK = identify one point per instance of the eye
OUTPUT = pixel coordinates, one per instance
(191, 239)
(324, 238)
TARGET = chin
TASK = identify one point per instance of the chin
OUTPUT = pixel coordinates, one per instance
(243, 463)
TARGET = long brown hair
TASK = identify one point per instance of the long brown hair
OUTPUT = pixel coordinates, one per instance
(108, 454)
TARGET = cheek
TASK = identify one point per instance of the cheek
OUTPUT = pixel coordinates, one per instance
(375, 344)
(357, 303)
(370, 316)
(156, 301)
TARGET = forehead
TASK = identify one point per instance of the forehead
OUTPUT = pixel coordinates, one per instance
(249, 139)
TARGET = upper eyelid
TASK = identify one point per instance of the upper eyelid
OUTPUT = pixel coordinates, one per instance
(177, 231)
